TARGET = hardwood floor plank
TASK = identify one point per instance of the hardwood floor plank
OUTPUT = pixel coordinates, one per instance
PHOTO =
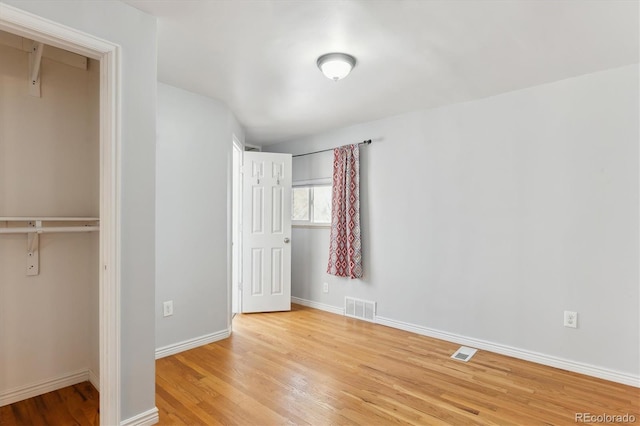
(73, 405)
(308, 367)
(312, 367)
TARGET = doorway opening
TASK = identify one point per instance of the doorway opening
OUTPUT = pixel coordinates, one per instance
(24, 24)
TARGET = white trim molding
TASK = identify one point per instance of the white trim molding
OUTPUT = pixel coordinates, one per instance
(318, 305)
(29, 391)
(37, 28)
(94, 379)
(192, 343)
(34, 27)
(148, 418)
(313, 182)
(110, 182)
(538, 358)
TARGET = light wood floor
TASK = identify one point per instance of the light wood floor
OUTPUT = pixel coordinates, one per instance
(312, 367)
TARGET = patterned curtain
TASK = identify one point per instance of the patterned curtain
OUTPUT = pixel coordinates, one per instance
(345, 249)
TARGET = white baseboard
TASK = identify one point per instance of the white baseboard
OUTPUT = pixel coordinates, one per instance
(551, 361)
(44, 386)
(538, 358)
(192, 343)
(318, 305)
(148, 418)
(94, 379)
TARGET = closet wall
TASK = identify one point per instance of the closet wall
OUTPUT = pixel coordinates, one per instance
(49, 166)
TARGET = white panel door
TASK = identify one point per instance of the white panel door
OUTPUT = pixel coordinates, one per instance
(266, 232)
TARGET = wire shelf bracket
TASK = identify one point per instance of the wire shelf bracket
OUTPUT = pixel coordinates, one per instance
(35, 227)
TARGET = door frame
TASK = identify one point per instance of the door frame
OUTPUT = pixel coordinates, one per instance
(235, 218)
(34, 27)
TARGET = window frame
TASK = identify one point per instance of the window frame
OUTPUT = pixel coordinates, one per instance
(310, 184)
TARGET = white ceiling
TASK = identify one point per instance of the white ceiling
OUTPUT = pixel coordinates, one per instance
(259, 57)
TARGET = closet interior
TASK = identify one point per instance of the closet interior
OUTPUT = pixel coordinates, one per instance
(49, 219)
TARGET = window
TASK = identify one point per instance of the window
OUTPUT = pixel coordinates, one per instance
(301, 202)
(311, 205)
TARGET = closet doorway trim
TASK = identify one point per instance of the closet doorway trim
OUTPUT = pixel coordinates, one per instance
(31, 26)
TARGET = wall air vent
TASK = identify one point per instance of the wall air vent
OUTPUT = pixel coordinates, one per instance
(361, 309)
(464, 353)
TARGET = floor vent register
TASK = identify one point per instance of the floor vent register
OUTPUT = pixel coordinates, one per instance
(361, 309)
(464, 354)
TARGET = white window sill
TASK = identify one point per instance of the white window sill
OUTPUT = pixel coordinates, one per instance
(312, 225)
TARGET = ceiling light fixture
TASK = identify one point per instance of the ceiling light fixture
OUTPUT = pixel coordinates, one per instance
(336, 66)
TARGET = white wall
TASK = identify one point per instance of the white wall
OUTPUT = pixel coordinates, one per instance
(195, 135)
(135, 32)
(488, 219)
(49, 166)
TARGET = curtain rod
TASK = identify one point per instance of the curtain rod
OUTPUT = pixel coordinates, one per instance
(367, 142)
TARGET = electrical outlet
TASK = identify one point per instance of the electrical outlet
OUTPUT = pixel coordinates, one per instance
(167, 308)
(325, 287)
(571, 319)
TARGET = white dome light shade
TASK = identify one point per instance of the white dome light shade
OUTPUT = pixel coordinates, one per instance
(336, 66)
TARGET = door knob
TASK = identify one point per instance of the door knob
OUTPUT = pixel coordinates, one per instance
(286, 240)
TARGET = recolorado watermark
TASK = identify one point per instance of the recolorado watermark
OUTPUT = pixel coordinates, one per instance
(604, 418)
